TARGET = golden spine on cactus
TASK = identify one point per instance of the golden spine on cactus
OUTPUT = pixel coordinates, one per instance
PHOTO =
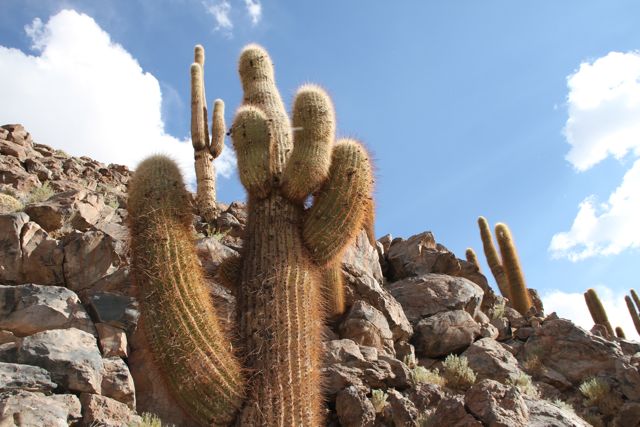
(206, 147)
(470, 254)
(518, 293)
(633, 312)
(598, 313)
(186, 339)
(284, 257)
(493, 259)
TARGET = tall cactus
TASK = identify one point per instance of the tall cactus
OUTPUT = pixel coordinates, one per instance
(206, 147)
(471, 256)
(620, 332)
(493, 259)
(186, 338)
(287, 247)
(518, 293)
(632, 310)
(598, 313)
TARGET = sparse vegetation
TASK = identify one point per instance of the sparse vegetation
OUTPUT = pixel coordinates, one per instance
(9, 204)
(524, 384)
(150, 420)
(378, 400)
(61, 153)
(424, 419)
(532, 363)
(497, 312)
(564, 406)
(457, 372)
(422, 375)
(598, 393)
(40, 194)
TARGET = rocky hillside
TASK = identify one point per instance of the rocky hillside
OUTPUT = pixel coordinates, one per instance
(425, 341)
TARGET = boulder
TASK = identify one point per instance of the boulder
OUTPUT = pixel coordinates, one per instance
(11, 254)
(119, 311)
(117, 382)
(27, 408)
(445, 333)
(497, 405)
(14, 376)
(89, 257)
(367, 326)
(451, 412)
(543, 413)
(105, 412)
(42, 256)
(354, 409)
(489, 360)
(112, 340)
(403, 411)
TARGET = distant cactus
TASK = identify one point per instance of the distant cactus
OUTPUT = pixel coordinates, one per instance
(518, 293)
(620, 332)
(598, 313)
(206, 147)
(632, 310)
(495, 265)
(472, 258)
(178, 318)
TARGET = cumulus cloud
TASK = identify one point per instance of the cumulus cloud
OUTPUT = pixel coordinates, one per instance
(86, 95)
(221, 12)
(573, 307)
(604, 120)
(254, 9)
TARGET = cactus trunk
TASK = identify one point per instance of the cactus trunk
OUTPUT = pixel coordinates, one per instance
(495, 265)
(633, 312)
(598, 313)
(518, 293)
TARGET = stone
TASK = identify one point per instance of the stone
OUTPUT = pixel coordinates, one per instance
(27, 309)
(14, 376)
(42, 256)
(362, 256)
(89, 257)
(354, 409)
(451, 412)
(112, 340)
(445, 333)
(105, 412)
(403, 411)
(117, 310)
(70, 355)
(429, 294)
(27, 408)
(367, 326)
(10, 247)
(489, 360)
(628, 415)
(497, 405)
(543, 413)
(117, 382)
(409, 257)
(342, 351)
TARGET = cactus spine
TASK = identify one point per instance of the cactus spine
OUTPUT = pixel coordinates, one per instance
(518, 293)
(598, 313)
(287, 249)
(206, 148)
(495, 265)
(632, 310)
(470, 254)
(179, 321)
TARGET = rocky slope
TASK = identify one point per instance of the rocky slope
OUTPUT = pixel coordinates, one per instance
(71, 351)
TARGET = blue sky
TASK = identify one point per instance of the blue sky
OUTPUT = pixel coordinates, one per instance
(469, 108)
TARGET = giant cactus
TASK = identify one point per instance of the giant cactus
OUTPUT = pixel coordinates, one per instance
(493, 259)
(206, 147)
(632, 309)
(518, 293)
(597, 311)
(287, 252)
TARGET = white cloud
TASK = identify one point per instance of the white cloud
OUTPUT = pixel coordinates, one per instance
(220, 11)
(254, 9)
(87, 95)
(573, 307)
(604, 120)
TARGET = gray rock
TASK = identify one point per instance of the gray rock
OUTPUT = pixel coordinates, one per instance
(14, 376)
(545, 414)
(27, 309)
(113, 341)
(362, 256)
(451, 412)
(367, 326)
(10, 247)
(411, 257)
(489, 360)
(42, 256)
(342, 351)
(403, 411)
(354, 409)
(27, 408)
(70, 355)
(497, 405)
(445, 333)
(117, 310)
(430, 294)
(105, 412)
(117, 382)
(89, 257)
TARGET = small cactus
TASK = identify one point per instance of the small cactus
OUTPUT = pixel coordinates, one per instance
(518, 293)
(206, 147)
(493, 259)
(598, 313)
(472, 258)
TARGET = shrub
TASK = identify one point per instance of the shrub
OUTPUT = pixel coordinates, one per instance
(9, 204)
(150, 420)
(40, 194)
(378, 400)
(422, 375)
(563, 405)
(524, 384)
(457, 372)
(497, 312)
(598, 393)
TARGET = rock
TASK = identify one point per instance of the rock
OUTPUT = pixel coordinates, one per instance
(117, 382)
(451, 413)
(342, 351)
(89, 257)
(212, 252)
(105, 412)
(354, 409)
(489, 360)
(403, 411)
(497, 405)
(42, 257)
(11, 254)
(445, 333)
(117, 310)
(367, 326)
(410, 257)
(629, 415)
(571, 351)
(112, 340)
(628, 379)
(430, 294)
(27, 309)
(503, 326)
(14, 376)
(70, 355)
(80, 209)
(27, 408)
(362, 256)
(545, 414)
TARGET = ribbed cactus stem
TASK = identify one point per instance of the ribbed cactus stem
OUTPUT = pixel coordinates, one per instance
(518, 294)
(179, 320)
(333, 288)
(598, 313)
(620, 332)
(218, 129)
(470, 254)
(634, 296)
(495, 265)
(633, 312)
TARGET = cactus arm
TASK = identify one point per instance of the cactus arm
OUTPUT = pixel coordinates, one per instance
(185, 336)
(598, 313)
(229, 271)
(495, 265)
(370, 222)
(258, 83)
(634, 296)
(620, 333)
(340, 207)
(518, 294)
(314, 129)
(470, 254)
(633, 313)
(333, 289)
(198, 121)
(198, 58)
(217, 129)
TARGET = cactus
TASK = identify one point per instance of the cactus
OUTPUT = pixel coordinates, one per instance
(287, 249)
(620, 332)
(495, 265)
(518, 293)
(179, 321)
(472, 258)
(632, 311)
(598, 313)
(206, 148)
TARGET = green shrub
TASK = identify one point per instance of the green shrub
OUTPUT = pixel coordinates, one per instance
(378, 400)
(9, 204)
(598, 393)
(40, 194)
(422, 375)
(457, 372)
(524, 384)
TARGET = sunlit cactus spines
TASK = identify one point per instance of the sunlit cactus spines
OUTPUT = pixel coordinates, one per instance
(518, 293)
(493, 259)
(598, 313)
